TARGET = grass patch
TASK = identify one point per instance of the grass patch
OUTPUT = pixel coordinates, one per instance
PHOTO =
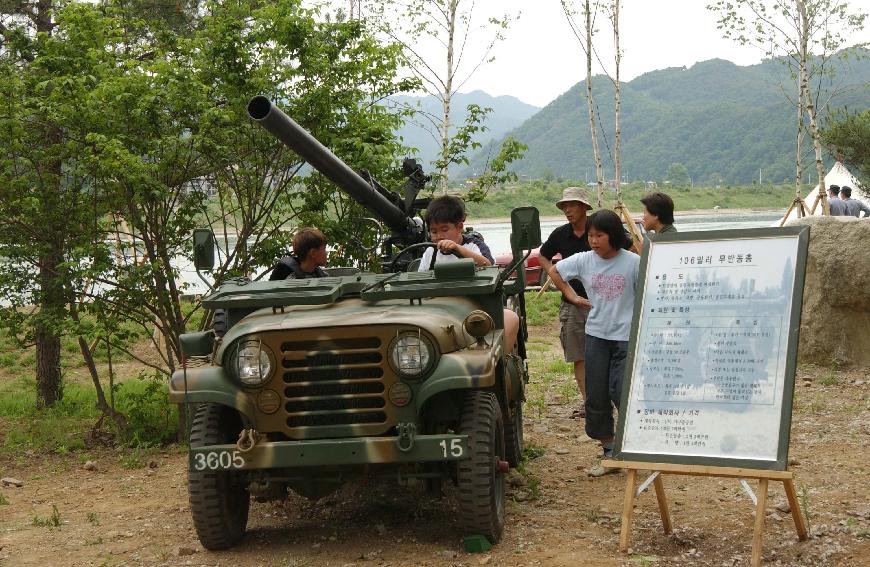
(53, 521)
(93, 519)
(152, 420)
(3, 500)
(542, 309)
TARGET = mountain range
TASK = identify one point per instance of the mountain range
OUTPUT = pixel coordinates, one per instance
(725, 123)
(507, 113)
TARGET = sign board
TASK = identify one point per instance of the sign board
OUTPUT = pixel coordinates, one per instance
(710, 372)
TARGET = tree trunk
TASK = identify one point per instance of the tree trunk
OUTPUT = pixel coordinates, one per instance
(49, 388)
(446, 97)
(599, 174)
(811, 107)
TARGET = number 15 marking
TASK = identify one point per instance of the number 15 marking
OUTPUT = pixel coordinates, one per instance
(455, 447)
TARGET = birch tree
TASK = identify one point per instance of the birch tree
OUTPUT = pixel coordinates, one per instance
(806, 35)
(585, 40)
(451, 29)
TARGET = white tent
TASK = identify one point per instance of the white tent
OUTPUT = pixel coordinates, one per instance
(838, 175)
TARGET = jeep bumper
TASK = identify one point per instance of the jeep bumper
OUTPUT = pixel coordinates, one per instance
(330, 452)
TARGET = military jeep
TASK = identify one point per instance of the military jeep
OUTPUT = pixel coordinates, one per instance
(316, 382)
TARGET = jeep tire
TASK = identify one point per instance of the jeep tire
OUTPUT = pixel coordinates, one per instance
(480, 479)
(219, 322)
(513, 432)
(219, 500)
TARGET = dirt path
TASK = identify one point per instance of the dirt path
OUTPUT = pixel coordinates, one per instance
(132, 509)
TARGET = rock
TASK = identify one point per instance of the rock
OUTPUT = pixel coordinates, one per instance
(793, 462)
(9, 481)
(91, 466)
(516, 480)
(561, 451)
(484, 560)
(775, 517)
(381, 529)
(539, 428)
(448, 554)
(152, 464)
(521, 496)
(783, 507)
(834, 316)
(183, 550)
(565, 428)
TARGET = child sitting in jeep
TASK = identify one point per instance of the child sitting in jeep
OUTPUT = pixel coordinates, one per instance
(445, 217)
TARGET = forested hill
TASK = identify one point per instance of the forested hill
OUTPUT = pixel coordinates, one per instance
(723, 122)
(507, 113)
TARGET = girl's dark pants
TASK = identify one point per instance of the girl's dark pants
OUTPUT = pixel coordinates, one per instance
(605, 366)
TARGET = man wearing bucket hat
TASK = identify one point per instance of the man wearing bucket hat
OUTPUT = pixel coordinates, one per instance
(566, 240)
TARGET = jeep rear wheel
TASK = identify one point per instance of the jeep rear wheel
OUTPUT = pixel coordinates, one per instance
(513, 431)
(219, 500)
(481, 478)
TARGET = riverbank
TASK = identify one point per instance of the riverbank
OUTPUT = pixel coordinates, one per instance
(637, 214)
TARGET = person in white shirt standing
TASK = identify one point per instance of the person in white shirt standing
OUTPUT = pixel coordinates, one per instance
(609, 275)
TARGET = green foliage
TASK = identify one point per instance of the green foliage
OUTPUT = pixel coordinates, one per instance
(532, 452)
(803, 495)
(53, 521)
(63, 428)
(3, 500)
(135, 458)
(93, 519)
(830, 377)
(848, 135)
(677, 175)
(151, 419)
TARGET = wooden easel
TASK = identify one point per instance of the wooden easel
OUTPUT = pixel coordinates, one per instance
(763, 476)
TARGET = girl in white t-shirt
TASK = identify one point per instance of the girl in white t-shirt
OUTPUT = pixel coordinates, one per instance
(609, 275)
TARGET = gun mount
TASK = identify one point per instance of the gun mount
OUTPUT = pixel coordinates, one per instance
(397, 213)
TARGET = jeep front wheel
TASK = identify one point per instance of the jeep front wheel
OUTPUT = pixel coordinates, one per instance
(481, 478)
(219, 500)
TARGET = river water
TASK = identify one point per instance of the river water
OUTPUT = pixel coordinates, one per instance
(497, 235)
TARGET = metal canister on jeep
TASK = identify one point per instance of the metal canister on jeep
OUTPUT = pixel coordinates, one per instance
(314, 382)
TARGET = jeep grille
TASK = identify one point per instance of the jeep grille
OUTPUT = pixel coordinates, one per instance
(334, 382)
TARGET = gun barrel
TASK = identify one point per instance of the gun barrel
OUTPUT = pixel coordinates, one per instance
(321, 158)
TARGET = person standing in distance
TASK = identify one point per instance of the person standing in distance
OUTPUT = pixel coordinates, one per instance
(567, 240)
(835, 204)
(853, 206)
(658, 213)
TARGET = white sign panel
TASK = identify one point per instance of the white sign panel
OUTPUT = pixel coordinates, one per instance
(711, 347)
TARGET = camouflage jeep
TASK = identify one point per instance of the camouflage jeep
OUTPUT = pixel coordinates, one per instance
(319, 381)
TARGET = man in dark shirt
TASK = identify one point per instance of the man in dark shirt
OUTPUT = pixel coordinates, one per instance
(835, 205)
(853, 206)
(566, 240)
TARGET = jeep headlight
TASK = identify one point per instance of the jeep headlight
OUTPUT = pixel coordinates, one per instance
(253, 363)
(411, 354)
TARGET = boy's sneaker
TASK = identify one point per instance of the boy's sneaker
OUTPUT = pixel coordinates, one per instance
(597, 470)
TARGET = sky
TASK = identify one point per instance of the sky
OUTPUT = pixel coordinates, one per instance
(540, 58)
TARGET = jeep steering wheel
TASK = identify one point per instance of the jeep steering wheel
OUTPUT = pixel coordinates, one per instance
(411, 248)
